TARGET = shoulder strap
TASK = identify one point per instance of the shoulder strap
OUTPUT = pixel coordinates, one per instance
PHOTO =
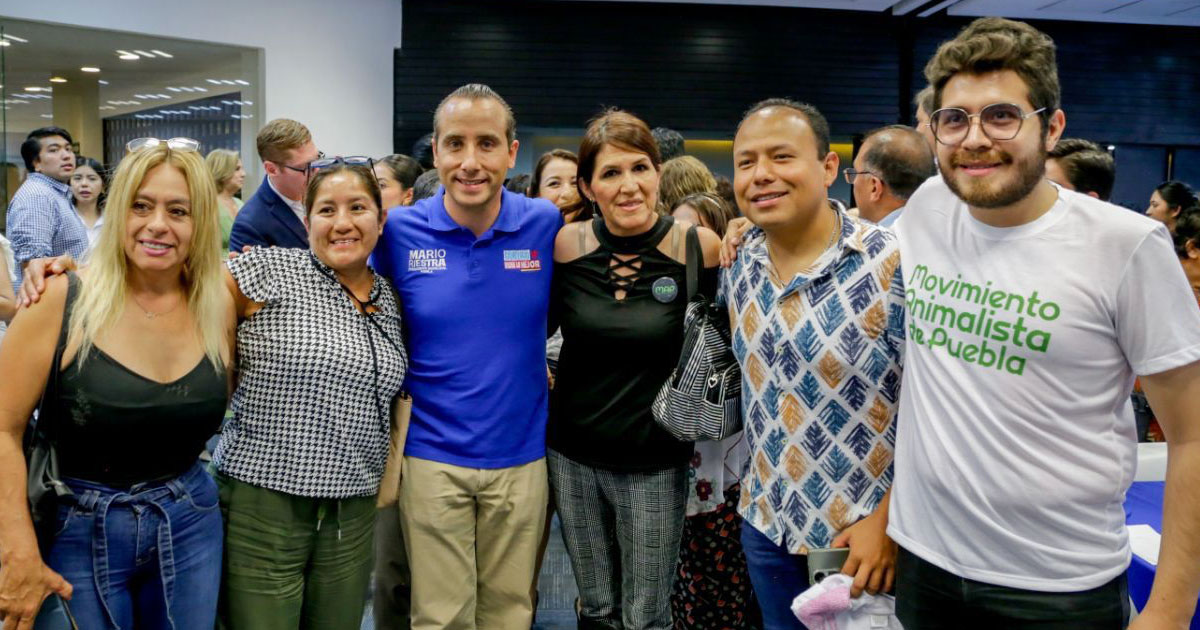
(694, 262)
(50, 391)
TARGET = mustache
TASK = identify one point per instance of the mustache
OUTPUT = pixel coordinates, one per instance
(974, 157)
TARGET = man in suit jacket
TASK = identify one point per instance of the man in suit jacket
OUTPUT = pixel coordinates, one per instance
(274, 216)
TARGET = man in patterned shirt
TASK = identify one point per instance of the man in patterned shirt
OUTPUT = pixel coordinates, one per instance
(816, 305)
(42, 222)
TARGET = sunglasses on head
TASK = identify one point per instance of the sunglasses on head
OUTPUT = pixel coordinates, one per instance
(175, 144)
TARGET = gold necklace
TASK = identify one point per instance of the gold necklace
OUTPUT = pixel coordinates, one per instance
(150, 314)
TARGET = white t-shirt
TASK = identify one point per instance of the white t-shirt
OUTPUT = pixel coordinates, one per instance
(1018, 438)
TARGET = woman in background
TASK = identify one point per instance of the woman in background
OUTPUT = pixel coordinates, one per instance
(397, 174)
(1168, 200)
(554, 179)
(229, 176)
(87, 191)
(706, 209)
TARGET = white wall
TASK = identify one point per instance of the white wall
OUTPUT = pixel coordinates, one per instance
(326, 63)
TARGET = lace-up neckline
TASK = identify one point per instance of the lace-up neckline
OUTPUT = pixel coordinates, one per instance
(625, 253)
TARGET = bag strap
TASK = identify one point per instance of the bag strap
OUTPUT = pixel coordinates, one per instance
(50, 391)
(694, 262)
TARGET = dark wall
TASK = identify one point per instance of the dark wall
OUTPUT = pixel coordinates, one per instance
(697, 67)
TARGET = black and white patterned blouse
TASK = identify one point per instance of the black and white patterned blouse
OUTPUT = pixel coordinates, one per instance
(311, 413)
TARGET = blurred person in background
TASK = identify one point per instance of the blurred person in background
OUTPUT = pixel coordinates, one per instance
(229, 176)
(670, 143)
(397, 173)
(681, 177)
(1168, 200)
(518, 183)
(705, 209)
(87, 191)
(41, 221)
(554, 179)
(1081, 165)
(426, 185)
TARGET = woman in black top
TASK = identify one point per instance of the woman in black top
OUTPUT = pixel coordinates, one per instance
(620, 296)
(144, 339)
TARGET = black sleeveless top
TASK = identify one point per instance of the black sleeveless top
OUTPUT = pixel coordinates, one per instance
(616, 354)
(118, 428)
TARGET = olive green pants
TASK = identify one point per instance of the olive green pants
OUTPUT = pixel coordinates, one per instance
(294, 563)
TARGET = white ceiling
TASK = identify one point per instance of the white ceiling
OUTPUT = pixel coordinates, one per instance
(1165, 12)
(54, 49)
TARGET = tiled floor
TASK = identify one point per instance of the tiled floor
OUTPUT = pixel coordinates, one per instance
(556, 606)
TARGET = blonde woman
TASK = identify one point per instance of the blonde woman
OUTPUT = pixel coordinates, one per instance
(144, 336)
(228, 176)
(683, 176)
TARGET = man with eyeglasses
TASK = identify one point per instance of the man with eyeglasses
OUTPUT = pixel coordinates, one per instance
(1031, 308)
(274, 216)
(891, 163)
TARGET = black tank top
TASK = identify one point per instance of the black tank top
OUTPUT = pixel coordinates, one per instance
(115, 427)
(616, 354)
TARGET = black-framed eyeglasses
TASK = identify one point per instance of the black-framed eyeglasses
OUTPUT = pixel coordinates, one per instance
(175, 144)
(301, 169)
(849, 174)
(998, 121)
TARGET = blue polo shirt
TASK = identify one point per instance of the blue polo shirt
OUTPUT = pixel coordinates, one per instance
(475, 317)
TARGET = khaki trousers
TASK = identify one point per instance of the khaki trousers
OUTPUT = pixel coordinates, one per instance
(472, 539)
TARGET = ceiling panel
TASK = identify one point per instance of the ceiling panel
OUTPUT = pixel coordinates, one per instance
(1163, 12)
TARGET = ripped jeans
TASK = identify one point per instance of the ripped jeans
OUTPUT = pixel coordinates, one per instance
(149, 555)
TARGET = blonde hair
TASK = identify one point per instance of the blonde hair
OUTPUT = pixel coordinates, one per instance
(222, 163)
(278, 137)
(681, 177)
(101, 300)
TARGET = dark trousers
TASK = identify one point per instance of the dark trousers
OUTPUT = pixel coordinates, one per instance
(393, 582)
(929, 598)
(778, 577)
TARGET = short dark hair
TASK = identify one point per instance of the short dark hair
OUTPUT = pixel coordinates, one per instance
(816, 120)
(670, 142)
(477, 92)
(32, 147)
(1187, 230)
(1088, 167)
(422, 151)
(1177, 194)
(426, 185)
(518, 183)
(899, 156)
(362, 172)
(405, 169)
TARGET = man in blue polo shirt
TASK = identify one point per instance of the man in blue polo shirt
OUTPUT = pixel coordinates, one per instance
(473, 270)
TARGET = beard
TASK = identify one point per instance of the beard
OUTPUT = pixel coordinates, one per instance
(992, 194)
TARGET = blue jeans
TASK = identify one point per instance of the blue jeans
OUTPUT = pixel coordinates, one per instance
(778, 577)
(151, 553)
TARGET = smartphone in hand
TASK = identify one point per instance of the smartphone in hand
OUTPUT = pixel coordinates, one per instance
(823, 563)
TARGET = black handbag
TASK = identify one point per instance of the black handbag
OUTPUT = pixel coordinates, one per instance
(702, 399)
(44, 485)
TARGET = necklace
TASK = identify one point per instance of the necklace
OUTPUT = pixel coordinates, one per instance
(151, 314)
(837, 228)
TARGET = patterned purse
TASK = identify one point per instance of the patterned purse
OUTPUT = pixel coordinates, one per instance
(702, 399)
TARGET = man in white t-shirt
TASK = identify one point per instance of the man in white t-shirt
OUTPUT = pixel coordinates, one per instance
(1031, 308)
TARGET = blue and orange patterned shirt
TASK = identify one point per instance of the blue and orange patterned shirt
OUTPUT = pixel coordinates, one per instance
(821, 360)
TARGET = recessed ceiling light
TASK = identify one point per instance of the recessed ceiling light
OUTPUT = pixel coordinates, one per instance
(129, 57)
(15, 38)
(34, 88)
(5, 42)
(172, 89)
(200, 89)
(102, 82)
(247, 102)
(57, 80)
(164, 96)
(161, 53)
(213, 81)
(227, 82)
(144, 53)
(241, 82)
(47, 116)
(89, 69)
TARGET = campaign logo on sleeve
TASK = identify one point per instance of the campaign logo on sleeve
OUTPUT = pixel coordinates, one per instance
(522, 260)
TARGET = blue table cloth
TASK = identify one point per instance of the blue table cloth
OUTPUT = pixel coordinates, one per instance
(1143, 506)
